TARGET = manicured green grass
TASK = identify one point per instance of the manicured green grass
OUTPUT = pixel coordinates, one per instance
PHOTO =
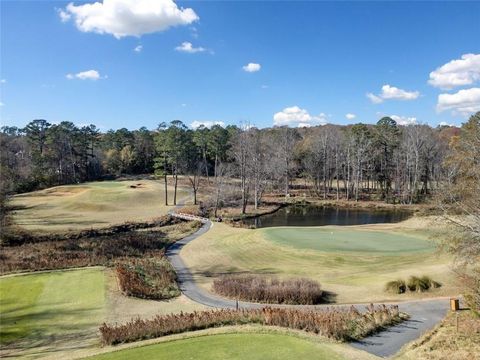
(41, 308)
(354, 276)
(229, 346)
(330, 239)
(95, 204)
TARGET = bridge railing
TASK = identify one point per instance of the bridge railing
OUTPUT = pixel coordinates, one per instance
(189, 217)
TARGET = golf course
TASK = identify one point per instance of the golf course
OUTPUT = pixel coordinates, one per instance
(89, 205)
(354, 263)
(58, 313)
(239, 180)
(51, 310)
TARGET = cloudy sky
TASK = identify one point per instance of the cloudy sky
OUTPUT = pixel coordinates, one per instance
(128, 63)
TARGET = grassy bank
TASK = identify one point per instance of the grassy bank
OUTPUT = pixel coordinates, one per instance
(58, 313)
(350, 268)
(44, 308)
(448, 341)
(96, 204)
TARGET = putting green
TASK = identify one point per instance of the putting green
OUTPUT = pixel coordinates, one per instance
(330, 239)
(95, 204)
(41, 308)
(350, 268)
(229, 346)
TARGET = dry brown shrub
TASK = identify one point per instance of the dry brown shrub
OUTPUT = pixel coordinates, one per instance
(261, 289)
(88, 251)
(340, 323)
(147, 278)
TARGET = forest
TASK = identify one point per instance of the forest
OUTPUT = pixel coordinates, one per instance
(385, 161)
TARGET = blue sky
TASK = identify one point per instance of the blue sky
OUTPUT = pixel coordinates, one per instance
(317, 62)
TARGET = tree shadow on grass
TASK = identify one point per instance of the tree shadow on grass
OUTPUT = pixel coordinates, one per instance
(42, 334)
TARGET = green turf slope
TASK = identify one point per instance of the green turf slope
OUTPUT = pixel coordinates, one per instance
(330, 239)
(94, 204)
(41, 308)
(229, 346)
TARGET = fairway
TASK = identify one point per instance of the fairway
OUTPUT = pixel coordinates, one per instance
(351, 267)
(41, 309)
(96, 204)
(334, 239)
(229, 346)
(60, 311)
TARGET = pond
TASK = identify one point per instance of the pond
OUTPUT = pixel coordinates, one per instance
(311, 215)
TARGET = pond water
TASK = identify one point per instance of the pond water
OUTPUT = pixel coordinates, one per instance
(310, 215)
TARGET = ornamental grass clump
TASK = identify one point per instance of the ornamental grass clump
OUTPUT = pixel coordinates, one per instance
(396, 286)
(339, 323)
(413, 284)
(418, 284)
(261, 289)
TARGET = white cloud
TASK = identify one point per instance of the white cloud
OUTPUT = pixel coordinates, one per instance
(122, 18)
(374, 98)
(3, 81)
(295, 116)
(138, 48)
(64, 15)
(252, 67)
(459, 72)
(350, 116)
(404, 120)
(189, 48)
(85, 75)
(1, 104)
(304, 125)
(444, 123)
(196, 124)
(264, 86)
(392, 93)
(464, 102)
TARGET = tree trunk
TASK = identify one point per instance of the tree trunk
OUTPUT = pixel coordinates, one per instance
(165, 178)
(175, 188)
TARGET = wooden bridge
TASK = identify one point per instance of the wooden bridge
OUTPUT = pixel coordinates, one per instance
(189, 217)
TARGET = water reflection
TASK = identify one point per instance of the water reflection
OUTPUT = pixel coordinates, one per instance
(309, 215)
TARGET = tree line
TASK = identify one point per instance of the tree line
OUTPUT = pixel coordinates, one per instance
(240, 164)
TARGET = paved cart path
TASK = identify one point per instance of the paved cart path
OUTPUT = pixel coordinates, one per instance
(424, 314)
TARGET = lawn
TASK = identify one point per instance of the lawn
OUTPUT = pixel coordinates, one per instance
(229, 346)
(335, 239)
(96, 204)
(59, 312)
(40, 309)
(340, 258)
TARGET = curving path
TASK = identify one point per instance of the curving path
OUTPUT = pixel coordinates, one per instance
(424, 314)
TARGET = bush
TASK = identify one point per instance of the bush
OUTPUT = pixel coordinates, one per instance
(336, 323)
(414, 283)
(471, 284)
(19, 236)
(147, 278)
(269, 290)
(92, 250)
(418, 284)
(396, 287)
